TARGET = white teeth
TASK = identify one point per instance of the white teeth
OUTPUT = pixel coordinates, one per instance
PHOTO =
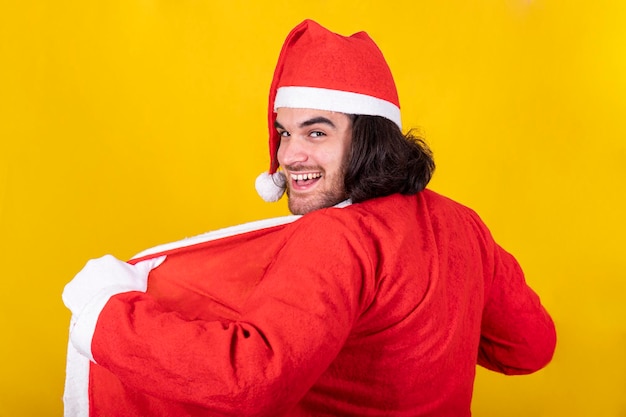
(310, 176)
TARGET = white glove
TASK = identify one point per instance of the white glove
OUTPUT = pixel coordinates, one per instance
(107, 274)
(89, 291)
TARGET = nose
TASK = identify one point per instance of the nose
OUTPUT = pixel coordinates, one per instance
(292, 151)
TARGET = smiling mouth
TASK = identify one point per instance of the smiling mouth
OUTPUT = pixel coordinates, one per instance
(303, 180)
(304, 177)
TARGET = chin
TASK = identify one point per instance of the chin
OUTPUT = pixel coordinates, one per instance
(296, 207)
(302, 205)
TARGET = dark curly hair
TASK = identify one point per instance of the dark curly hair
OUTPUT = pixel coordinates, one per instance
(384, 161)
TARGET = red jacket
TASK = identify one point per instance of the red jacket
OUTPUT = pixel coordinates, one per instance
(379, 308)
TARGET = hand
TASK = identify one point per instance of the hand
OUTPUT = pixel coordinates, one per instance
(107, 274)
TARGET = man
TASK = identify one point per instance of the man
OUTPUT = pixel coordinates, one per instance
(379, 300)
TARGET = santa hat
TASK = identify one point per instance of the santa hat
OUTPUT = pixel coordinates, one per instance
(319, 69)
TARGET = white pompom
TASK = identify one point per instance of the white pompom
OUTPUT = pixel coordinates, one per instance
(270, 187)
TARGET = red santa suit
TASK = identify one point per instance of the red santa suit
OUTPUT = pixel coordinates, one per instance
(378, 308)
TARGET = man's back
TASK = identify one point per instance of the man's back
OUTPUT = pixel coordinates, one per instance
(415, 344)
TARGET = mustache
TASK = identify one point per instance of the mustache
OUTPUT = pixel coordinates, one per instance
(302, 168)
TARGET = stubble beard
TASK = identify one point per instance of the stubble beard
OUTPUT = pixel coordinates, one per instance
(323, 199)
(304, 205)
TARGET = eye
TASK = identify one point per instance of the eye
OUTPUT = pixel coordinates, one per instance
(283, 133)
(317, 134)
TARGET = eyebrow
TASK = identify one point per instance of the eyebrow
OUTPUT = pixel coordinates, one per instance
(310, 122)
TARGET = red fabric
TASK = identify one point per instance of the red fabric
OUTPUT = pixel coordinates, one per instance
(379, 308)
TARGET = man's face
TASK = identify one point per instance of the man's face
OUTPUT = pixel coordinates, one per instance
(313, 154)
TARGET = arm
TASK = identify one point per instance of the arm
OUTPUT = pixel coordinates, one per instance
(289, 330)
(517, 335)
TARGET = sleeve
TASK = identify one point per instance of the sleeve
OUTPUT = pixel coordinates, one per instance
(290, 329)
(517, 335)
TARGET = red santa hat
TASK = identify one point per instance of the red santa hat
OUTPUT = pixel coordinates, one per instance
(319, 69)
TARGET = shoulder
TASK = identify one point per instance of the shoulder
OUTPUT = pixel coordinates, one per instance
(427, 205)
(446, 207)
(393, 214)
(440, 202)
(355, 228)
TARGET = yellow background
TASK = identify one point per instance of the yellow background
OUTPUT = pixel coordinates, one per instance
(125, 124)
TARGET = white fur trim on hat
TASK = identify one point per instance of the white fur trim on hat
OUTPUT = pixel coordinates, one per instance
(271, 187)
(336, 100)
